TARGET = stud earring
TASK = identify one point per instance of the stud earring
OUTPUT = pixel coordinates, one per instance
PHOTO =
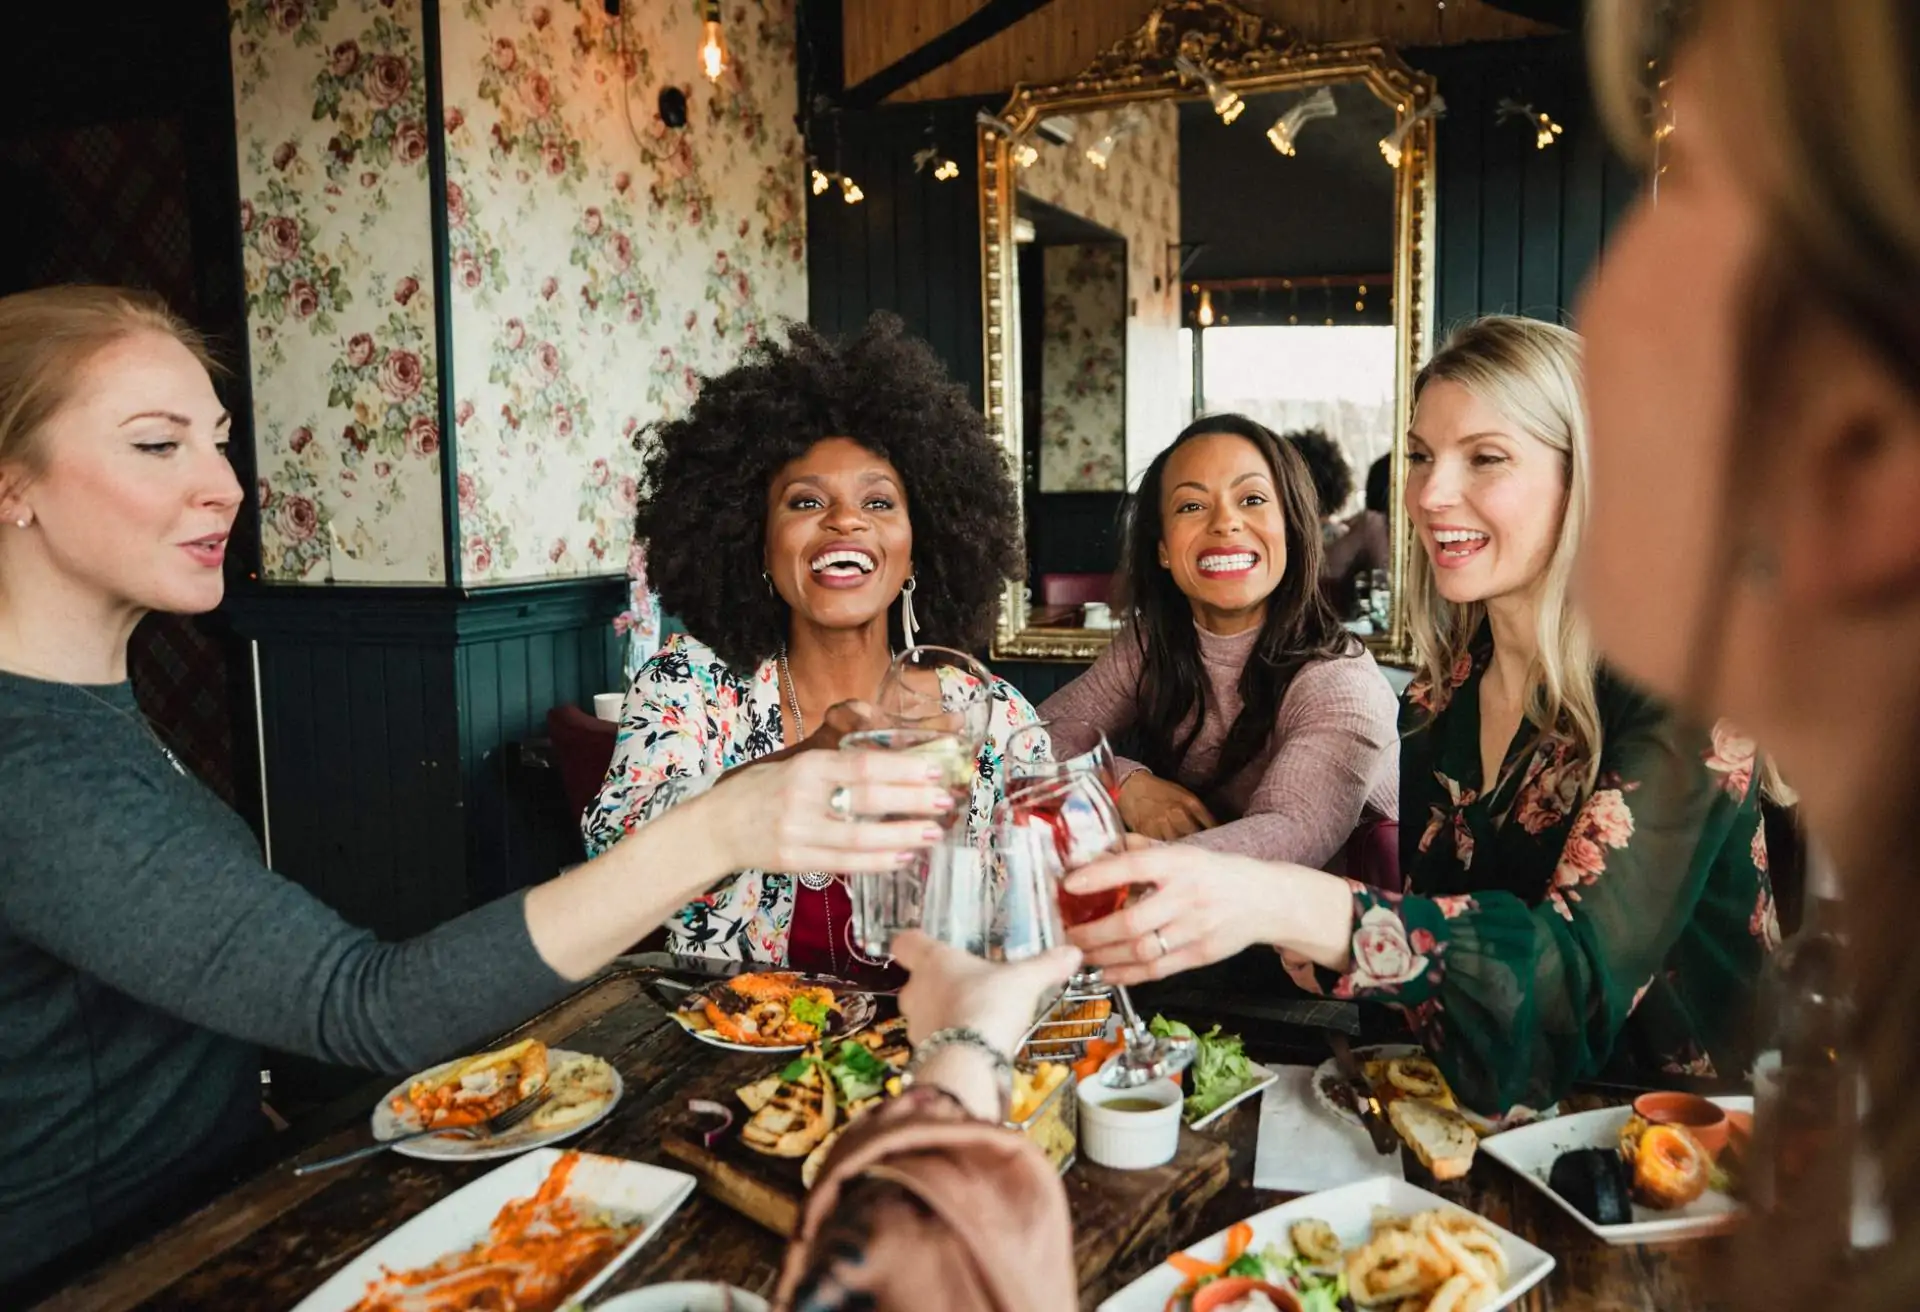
(22, 521)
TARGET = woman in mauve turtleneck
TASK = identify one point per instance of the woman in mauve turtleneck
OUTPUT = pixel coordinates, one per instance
(1261, 726)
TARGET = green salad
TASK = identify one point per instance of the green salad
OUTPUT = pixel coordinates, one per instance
(1220, 1072)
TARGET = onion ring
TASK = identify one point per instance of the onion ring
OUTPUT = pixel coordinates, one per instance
(707, 1107)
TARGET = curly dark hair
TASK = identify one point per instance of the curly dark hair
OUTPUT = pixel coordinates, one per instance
(703, 499)
(1327, 463)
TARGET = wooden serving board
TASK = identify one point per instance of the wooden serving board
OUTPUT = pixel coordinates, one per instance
(1117, 1215)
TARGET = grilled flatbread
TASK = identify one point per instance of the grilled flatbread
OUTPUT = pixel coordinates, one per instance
(759, 1093)
(888, 1042)
(577, 1089)
(795, 1119)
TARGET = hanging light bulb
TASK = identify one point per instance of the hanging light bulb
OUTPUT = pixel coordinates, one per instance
(1226, 103)
(946, 171)
(1205, 315)
(850, 191)
(1393, 145)
(714, 58)
(1025, 154)
(1286, 129)
(820, 183)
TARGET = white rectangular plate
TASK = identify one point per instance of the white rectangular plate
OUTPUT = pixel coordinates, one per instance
(1349, 1210)
(1266, 1077)
(461, 1220)
(1530, 1152)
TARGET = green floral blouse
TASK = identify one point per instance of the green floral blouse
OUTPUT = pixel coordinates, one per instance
(1548, 930)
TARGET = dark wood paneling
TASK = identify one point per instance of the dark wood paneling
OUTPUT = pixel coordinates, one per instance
(398, 787)
(1520, 227)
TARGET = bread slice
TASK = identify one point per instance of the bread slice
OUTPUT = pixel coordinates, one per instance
(1440, 1137)
(794, 1120)
(576, 1091)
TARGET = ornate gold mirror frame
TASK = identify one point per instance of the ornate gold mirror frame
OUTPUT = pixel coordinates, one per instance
(1247, 54)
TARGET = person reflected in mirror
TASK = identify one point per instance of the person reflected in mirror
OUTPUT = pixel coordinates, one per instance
(1587, 873)
(811, 498)
(1332, 478)
(1262, 727)
(1363, 546)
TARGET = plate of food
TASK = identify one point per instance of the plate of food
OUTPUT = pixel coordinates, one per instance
(1376, 1243)
(543, 1230)
(1221, 1077)
(772, 1011)
(1398, 1071)
(580, 1090)
(1628, 1181)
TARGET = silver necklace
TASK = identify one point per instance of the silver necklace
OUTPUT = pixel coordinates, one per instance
(817, 880)
(138, 719)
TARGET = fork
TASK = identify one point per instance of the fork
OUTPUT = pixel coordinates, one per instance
(493, 1125)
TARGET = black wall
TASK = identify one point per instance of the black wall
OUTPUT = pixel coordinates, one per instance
(1519, 227)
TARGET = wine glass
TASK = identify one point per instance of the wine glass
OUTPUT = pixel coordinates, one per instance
(938, 703)
(1034, 754)
(1083, 822)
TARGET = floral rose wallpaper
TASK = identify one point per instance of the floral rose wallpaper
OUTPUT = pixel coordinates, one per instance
(330, 101)
(1083, 419)
(599, 260)
(1138, 196)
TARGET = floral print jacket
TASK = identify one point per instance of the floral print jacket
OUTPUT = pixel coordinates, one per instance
(688, 719)
(1549, 929)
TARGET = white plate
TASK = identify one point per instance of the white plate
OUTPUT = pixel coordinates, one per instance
(1531, 1150)
(453, 1148)
(857, 1009)
(462, 1219)
(1328, 1071)
(685, 1296)
(1266, 1077)
(1349, 1210)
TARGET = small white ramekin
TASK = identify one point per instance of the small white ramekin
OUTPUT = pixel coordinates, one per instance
(1129, 1141)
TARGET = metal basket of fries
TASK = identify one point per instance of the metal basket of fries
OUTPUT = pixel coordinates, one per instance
(1046, 1111)
(1064, 1030)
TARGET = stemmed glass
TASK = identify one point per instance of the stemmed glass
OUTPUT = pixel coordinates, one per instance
(1079, 816)
(1033, 755)
(938, 703)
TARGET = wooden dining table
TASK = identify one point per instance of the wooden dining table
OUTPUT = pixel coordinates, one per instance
(274, 1237)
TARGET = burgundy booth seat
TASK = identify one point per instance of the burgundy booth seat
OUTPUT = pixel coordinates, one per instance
(1372, 855)
(1074, 589)
(583, 748)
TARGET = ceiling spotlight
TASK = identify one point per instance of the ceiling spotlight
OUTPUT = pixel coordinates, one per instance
(944, 169)
(820, 183)
(1025, 154)
(1123, 126)
(1225, 102)
(850, 191)
(1286, 129)
(1393, 145)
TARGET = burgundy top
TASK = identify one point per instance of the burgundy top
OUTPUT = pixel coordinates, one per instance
(1332, 763)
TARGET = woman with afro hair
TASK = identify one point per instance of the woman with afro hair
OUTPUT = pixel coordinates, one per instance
(783, 517)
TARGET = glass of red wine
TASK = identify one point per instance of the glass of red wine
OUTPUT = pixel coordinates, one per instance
(1048, 751)
(1081, 823)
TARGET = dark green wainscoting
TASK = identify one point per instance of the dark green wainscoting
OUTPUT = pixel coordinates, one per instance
(393, 718)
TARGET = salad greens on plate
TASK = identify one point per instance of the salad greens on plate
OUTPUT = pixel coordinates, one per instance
(1220, 1071)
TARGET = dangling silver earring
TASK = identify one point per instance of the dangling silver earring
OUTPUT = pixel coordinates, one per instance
(767, 579)
(909, 627)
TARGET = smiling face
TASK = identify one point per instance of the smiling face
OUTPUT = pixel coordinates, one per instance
(131, 498)
(839, 543)
(1222, 534)
(1485, 498)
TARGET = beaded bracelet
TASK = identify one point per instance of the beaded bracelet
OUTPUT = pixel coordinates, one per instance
(962, 1036)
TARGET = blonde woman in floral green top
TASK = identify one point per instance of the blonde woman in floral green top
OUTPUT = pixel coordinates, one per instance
(1587, 876)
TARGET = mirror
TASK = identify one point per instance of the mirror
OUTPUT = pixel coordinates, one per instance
(1213, 217)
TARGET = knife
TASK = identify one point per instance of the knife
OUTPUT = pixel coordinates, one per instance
(1372, 1115)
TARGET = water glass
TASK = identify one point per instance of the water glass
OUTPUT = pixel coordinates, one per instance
(1022, 916)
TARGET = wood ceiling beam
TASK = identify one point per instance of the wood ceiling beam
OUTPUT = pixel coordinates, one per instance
(982, 25)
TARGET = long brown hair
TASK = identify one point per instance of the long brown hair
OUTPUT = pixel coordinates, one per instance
(1830, 148)
(1299, 625)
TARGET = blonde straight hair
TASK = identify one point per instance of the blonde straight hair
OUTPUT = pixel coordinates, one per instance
(1829, 146)
(1530, 372)
(47, 337)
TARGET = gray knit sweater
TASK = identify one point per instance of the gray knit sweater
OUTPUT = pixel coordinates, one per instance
(145, 951)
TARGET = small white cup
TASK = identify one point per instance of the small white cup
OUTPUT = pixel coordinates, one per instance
(1129, 1141)
(1097, 615)
(606, 705)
